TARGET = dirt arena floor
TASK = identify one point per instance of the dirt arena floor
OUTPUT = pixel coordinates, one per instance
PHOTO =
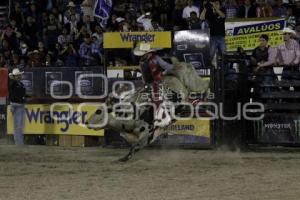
(56, 173)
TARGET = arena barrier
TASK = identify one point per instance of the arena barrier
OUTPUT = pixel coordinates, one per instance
(280, 123)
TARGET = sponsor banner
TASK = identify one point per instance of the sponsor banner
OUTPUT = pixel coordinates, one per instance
(278, 128)
(120, 40)
(192, 46)
(38, 81)
(64, 120)
(187, 132)
(246, 33)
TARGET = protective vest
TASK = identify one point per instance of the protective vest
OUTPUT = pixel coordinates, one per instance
(151, 71)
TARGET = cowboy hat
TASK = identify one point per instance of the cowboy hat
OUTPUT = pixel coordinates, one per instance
(289, 30)
(120, 19)
(143, 48)
(71, 4)
(15, 72)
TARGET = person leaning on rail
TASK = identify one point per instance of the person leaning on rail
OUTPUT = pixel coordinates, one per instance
(263, 59)
(288, 55)
(17, 98)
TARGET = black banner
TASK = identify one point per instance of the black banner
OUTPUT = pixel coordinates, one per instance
(278, 128)
(192, 46)
(38, 81)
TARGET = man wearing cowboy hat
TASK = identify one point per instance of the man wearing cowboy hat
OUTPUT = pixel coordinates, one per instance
(153, 67)
(289, 56)
(17, 99)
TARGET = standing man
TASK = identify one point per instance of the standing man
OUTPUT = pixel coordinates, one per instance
(146, 21)
(215, 15)
(17, 100)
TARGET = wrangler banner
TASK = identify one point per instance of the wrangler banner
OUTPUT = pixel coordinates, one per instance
(113, 40)
(66, 119)
(245, 34)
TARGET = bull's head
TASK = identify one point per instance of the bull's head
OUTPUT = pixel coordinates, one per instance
(99, 119)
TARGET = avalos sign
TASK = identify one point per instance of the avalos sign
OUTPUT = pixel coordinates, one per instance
(120, 40)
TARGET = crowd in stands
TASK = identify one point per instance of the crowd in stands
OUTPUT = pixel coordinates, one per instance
(65, 33)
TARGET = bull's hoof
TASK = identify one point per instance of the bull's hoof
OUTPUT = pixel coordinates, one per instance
(125, 158)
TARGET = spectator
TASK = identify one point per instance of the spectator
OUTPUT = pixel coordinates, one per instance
(5, 46)
(49, 61)
(98, 34)
(163, 8)
(33, 12)
(16, 62)
(112, 23)
(23, 51)
(215, 15)
(264, 57)
(145, 20)
(71, 11)
(177, 20)
(194, 21)
(89, 25)
(42, 51)
(79, 37)
(17, 15)
(85, 52)
(123, 25)
(289, 56)
(64, 39)
(51, 32)
(247, 10)
(279, 9)
(156, 26)
(87, 8)
(30, 33)
(10, 35)
(190, 8)
(263, 9)
(73, 25)
(96, 50)
(35, 60)
(71, 56)
(231, 8)
(58, 55)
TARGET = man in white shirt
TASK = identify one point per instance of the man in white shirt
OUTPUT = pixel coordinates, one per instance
(190, 8)
(145, 20)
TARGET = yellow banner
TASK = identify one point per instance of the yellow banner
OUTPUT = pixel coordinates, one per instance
(113, 40)
(193, 127)
(246, 34)
(65, 120)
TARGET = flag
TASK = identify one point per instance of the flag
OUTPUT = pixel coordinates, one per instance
(102, 10)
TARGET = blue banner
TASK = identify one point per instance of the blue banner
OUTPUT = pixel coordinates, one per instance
(102, 10)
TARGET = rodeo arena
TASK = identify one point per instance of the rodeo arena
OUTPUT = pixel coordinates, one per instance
(149, 99)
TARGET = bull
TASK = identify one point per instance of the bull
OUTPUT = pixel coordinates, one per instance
(144, 125)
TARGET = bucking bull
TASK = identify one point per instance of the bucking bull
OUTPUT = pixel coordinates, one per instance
(144, 123)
